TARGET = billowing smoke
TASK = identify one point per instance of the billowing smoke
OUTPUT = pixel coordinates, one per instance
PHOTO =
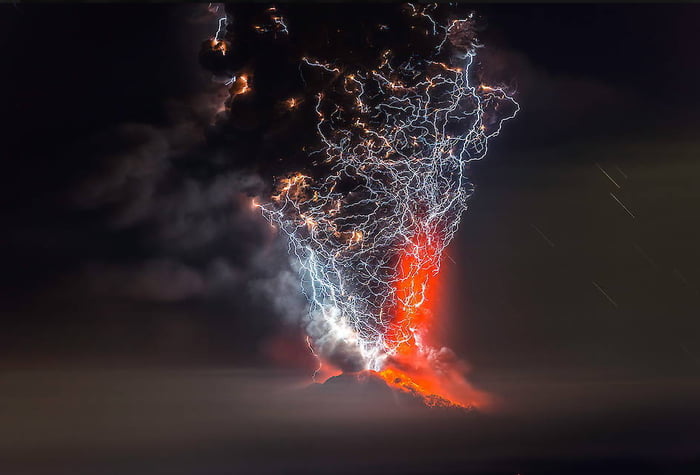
(365, 136)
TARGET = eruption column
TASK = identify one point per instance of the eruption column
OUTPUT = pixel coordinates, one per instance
(370, 223)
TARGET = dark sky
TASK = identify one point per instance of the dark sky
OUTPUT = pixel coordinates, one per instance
(128, 239)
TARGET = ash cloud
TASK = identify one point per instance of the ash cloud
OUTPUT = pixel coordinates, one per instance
(184, 203)
(277, 138)
(163, 205)
(158, 214)
(281, 138)
(162, 280)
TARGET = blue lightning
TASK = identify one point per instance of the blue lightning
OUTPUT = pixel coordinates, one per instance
(396, 142)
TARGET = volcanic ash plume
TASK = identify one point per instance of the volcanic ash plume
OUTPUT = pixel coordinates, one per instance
(370, 221)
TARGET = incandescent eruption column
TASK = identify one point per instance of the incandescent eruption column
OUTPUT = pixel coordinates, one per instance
(370, 221)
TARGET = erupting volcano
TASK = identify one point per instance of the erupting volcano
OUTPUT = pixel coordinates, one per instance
(381, 195)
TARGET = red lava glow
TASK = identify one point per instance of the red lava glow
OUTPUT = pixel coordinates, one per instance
(414, 291)
(435, 375)
(438, 381)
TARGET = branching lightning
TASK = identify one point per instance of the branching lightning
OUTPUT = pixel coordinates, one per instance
(370, 231)
(369, 220)
(217, 42)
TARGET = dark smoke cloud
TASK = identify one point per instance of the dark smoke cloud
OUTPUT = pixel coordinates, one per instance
(161, 214)
(279, 138)
(161, 280)
(274, 137)
(189, 206)
(165, 202)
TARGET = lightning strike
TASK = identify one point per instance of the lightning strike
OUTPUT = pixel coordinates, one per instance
(320, 361)
(217, 42)
(239, 85)
(370, 230)
(370, 223)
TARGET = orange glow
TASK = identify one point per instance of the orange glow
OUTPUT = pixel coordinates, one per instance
(292, 103)
(240, 86)
(293, 187)
(401, 381)
(356, 237)
(435, 375)
(218, 45)
(432, 374)
(448, 68)
(414, 291)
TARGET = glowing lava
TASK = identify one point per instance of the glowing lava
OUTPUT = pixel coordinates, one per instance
(430, 397)
(414, 291)
(416, 367)
(435, 376)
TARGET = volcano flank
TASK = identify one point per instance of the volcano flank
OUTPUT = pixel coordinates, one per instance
(380, 390)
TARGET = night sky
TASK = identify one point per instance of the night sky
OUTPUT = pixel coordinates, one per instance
(141, 294)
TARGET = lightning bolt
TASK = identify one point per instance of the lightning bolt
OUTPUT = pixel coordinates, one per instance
(370, 229)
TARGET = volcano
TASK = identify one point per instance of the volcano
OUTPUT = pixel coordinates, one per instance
(377, 389)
